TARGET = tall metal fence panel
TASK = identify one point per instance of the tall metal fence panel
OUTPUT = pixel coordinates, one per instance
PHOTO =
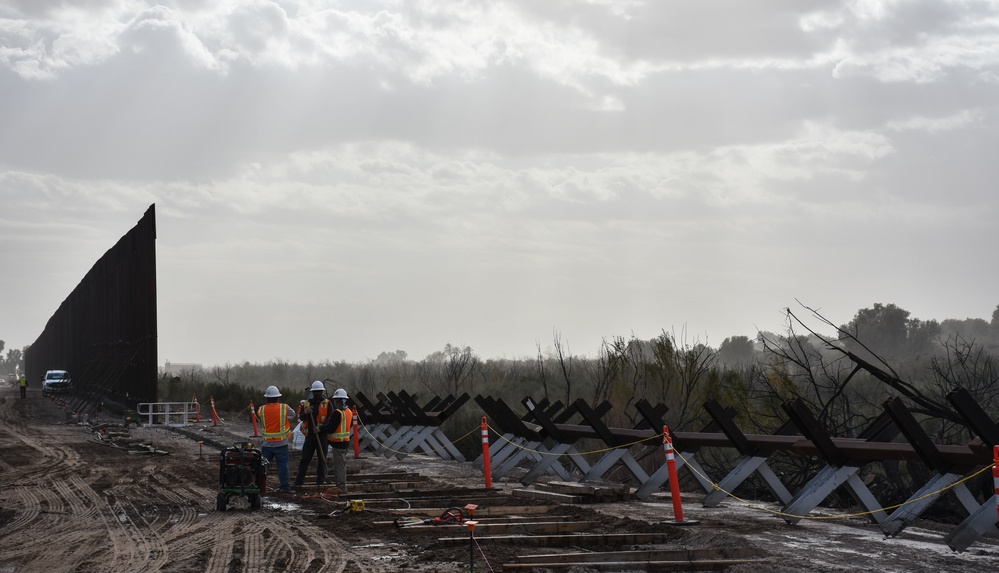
(104, 333)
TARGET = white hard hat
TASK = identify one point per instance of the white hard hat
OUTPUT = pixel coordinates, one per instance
(318, 386)
(272, 392)
(340, 393)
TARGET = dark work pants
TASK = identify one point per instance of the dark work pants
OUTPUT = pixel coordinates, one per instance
(311, 448)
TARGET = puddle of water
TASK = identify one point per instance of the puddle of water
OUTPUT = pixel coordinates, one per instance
(282, 505)
(375, 545)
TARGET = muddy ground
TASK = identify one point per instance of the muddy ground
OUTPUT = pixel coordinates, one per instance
(70, 501)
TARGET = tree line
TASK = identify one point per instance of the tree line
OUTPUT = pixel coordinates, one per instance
(11, 361)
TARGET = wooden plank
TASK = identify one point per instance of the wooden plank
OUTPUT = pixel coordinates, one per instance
(416, 494)
(387, 476)
(369, 487)
(651, 566)
(527, 528)
(546, 495)
(487, 511)
(484, 520)
(581, 539)
(646, 555)
(588, 492)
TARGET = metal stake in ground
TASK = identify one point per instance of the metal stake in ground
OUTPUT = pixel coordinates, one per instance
(471, 545)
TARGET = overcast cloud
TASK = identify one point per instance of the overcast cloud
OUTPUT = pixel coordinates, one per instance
(334, 179)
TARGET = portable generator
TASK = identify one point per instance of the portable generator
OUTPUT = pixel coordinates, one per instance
(242, 472)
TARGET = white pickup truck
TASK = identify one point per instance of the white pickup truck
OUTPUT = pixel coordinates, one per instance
(56, 382)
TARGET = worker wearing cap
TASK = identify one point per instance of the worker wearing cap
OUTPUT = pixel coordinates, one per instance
(23, 383)
(276, 419)
(339, 437)
(314, 414)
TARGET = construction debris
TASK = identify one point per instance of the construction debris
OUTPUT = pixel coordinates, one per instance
(118, 436)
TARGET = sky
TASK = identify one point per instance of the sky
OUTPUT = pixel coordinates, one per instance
(337, 179)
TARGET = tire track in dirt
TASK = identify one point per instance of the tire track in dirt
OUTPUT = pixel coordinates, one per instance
(53, 513)
(48, 456)
(254, 547)
(221, 547)
(159, 510)
(27, 509)
(76, 494)
(271, 543)
(186, 504)
(135, 547)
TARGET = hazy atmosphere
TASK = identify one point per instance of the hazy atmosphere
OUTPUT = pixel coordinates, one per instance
(334, 179)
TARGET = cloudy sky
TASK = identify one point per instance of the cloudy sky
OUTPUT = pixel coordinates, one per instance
(334, 179)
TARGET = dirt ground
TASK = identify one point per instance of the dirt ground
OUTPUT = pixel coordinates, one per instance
(71, 502)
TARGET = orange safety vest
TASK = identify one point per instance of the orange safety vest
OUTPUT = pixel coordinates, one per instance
(321, 413)
(342, 432)
(274, 418)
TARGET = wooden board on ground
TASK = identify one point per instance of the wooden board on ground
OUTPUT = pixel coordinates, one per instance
(581, 540)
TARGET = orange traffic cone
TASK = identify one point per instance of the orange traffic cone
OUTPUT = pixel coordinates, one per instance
(253, 418)
(197, 409)
(215, 416)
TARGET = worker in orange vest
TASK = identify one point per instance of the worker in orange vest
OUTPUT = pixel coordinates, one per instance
(276, 419)
(340, 422)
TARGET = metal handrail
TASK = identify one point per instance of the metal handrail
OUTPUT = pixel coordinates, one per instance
(172, 414)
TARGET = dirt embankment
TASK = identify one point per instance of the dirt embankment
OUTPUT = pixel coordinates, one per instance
(71, 502)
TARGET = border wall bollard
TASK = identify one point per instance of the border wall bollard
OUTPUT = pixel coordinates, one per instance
(353, 432)
(197, 409)
(215, 416)
(485, 454)
(995, 474)
(674, 482)
(253, 418)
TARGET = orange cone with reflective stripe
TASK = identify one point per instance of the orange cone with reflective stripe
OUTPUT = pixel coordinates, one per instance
(215, 416)
(485, 455)
(674, 482)
(197, 409)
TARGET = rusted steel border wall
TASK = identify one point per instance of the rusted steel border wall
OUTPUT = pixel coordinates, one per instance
(104, 333)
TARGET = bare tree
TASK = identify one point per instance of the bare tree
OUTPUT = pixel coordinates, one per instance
(565, 363)
(541, 368)
(225, 375)
(879, 369)
(458, 368)
(448, 371)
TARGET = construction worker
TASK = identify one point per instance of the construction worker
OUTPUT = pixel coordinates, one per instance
(23, 383)
(276, 419)
(314, 414)
(340, 422)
